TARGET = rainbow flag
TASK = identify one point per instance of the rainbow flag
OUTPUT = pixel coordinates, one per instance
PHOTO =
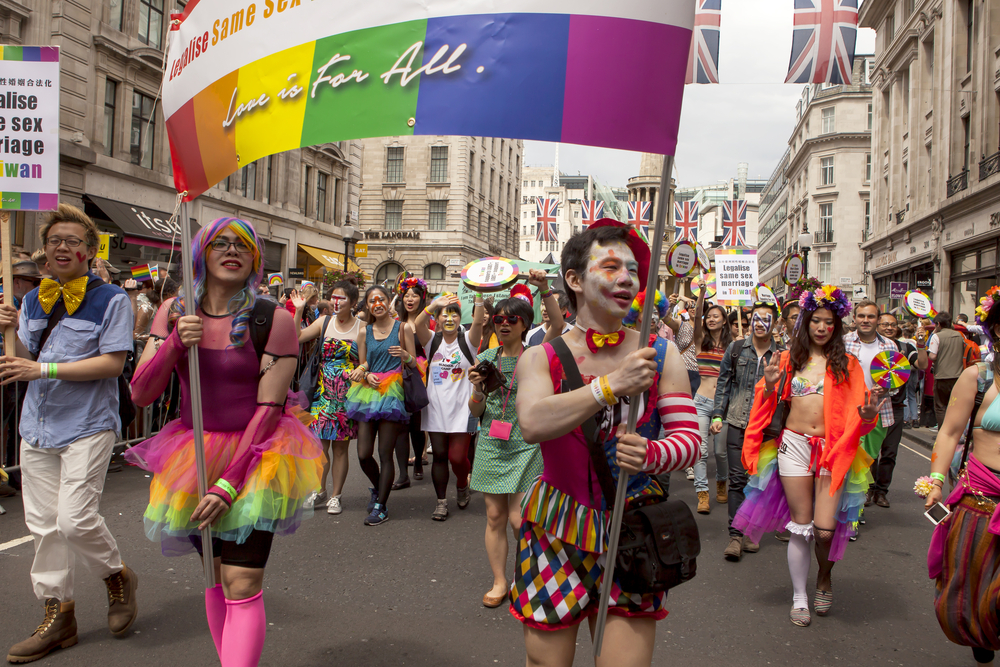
(142, 272)
(253, 79)
(307, 282)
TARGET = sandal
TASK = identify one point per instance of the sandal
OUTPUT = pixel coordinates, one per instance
(491, 602)
(800, 617)
(824, 600)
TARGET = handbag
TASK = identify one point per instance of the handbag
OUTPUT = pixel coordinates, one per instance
(309, 378)
(659, 542)
(415, 396)
(773, 430)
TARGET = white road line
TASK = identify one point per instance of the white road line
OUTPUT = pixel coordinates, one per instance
(923, 456)
(14, 543)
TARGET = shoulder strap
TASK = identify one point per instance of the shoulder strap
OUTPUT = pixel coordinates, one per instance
(464, 346)
(589, 427)
(737, 350)
(261, 319)
(435, 344)
(322, 331)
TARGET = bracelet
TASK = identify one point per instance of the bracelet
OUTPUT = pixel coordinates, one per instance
(546, 295)
(938, 476)
(429, 313)
(939, 484)
(595, 389)
(609, 396)
(53, 369)
(228, 488)
(43, 371)
(473, 399)
(716, 419)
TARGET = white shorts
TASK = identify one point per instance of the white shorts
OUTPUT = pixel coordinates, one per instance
(797, 457)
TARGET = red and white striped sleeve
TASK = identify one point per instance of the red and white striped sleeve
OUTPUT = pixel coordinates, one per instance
(681, 446)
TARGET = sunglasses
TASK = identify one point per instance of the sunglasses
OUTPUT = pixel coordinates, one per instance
(509, 319)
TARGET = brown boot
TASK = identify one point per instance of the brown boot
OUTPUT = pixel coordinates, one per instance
(734, 550)
(703, 505)
(122, 604)
(721, 492)
(58, 630)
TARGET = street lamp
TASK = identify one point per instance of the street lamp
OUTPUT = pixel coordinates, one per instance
(805, 242)
(348, 233)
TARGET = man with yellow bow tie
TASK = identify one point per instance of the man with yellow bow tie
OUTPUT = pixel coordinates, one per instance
(74, 333)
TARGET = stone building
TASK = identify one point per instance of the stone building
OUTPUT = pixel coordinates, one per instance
(115, 158)
(430, 205)
(935, 221)
(817, 197)
(570, 191)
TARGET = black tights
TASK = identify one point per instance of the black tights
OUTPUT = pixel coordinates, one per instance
(983, 656)
(387, 432)
(453, 448)
(415, 436)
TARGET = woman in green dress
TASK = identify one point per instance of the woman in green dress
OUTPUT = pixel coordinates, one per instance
(505, 465)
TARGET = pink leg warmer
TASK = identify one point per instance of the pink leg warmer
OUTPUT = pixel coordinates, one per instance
(215, 609)
(243, 639)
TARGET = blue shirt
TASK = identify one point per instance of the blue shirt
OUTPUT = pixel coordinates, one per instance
(59, 412)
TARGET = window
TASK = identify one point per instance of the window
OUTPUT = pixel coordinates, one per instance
(482, 176)
(151, 22)
(115, 14)
(826, 170)
(828, 118)
(438, 216)
(825, 264)
(524, 230)
(970, 35)
(868, 220)
(267, 179)
(525, 184)
(868, 167)
(394, 214)
(890, 30)
(493, 173)
(143, 130)
(434, 272)
(334, 193)
(468, 219)
(966, 155)
(479, 226)
(533, 184)
(389, 271)
(527, 246)
(472, 167)
(321, 180)
(394, 165)
(439, 164)
(248, 184)
(110, 95)
(304, 190)
(869, 116)
(825, 234)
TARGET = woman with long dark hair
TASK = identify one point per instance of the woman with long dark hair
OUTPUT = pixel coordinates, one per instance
(375, 398)
(712, 339)
(822, 472)
(490, 339)
(411, 301)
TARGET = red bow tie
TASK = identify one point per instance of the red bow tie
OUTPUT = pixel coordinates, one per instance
(596, 340)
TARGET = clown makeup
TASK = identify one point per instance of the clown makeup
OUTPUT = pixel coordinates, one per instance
(377, 304)
(449, 320)
(761, 323)
(337, 301)
(612, 278)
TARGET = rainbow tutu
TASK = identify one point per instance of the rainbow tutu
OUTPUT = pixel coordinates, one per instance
(369, 404)
(285, 469)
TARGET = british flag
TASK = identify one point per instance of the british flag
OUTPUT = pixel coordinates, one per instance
(734, 222)
(592, 212)
(547, 228)
(703, 63)
(823, 39)
(686, 221)
(638, 215)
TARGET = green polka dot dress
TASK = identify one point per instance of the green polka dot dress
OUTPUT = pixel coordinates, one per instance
(504, 466)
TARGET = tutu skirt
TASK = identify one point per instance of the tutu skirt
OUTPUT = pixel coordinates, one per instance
(284, 471)
(384, 402)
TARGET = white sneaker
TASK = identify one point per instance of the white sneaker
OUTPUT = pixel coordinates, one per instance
(333, 506)
(316, 500)
(690, 473)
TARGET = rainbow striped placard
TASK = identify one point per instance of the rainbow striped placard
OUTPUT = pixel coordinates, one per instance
(245, 80)
(29, 150)
(736, 276)
(275, 279)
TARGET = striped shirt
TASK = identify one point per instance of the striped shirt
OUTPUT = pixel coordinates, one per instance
(709, 362)
(681, 446)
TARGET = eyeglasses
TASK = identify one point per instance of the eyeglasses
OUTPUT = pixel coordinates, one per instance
(70, 241)
(508, 319)
(222, 245)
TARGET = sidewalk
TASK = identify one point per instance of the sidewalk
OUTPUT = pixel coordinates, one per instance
(922, 437)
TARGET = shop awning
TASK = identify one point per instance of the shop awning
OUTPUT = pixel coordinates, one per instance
(142, 226)
(329, 259)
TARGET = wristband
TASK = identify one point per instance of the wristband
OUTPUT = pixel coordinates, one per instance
(473, 399)
(595, 389)
(228, 488)
(716, 419)
(43, 371)
(53, 369)
(938, 476)
(605, 386)
(546, 295)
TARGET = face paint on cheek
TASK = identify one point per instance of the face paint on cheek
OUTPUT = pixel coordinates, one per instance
(764, 321)
(80, 257)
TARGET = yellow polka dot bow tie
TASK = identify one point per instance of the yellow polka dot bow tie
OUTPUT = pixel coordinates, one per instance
(72, 293)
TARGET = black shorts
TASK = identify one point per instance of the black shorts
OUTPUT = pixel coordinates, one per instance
(253, 553)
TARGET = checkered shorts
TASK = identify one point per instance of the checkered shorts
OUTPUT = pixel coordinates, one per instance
(557, 585)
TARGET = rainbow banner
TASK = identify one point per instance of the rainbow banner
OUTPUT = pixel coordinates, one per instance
(249, 79)
(275, 279)
(142, 272)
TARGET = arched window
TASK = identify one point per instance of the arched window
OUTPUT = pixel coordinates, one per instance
(434, 272)
(388, 271)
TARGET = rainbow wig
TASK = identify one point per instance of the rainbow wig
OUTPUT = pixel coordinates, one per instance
(635, 310)
(241, 305)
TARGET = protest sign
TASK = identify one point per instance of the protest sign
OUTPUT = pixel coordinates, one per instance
(736, 271)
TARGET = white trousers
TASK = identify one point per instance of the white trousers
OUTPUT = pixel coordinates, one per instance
(62, 495)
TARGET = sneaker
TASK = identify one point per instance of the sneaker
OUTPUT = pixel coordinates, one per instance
(122, 604)
(690, 474)
(464, 496)
(333, 506)
(734, 550)
(315, 501)
(373, 500)
(378, 515)
(57, 630)
(441, 511)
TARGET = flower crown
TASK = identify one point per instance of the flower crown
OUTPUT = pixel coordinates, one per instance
(826, 296)
(635, 310)
(412, 283)
(986, 304)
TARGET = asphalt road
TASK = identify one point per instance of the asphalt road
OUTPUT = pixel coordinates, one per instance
(408, 592)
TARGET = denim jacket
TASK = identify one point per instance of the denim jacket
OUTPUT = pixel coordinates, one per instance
(735, 388)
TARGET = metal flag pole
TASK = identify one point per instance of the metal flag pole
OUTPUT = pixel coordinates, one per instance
(633, 409)
(194, 376)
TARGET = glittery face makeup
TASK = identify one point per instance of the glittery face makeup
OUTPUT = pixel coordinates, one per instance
(611, 280)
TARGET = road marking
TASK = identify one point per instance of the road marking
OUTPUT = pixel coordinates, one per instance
(923, 456)
(14, 543)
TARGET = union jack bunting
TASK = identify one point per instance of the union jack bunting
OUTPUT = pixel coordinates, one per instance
(734, 222)
(592, 211)
(703, 63)
(686, 221)
(823, 38)
(638, 215)
(547, 229)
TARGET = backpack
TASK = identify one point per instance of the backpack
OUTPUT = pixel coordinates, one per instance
(972, 354)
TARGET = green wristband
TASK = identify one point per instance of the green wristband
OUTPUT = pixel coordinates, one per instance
(52, 371)
(228, 488)
(716, 419)
(938, 476)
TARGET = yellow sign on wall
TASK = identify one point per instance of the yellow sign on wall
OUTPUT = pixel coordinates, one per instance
(361, 250)
(105, 247)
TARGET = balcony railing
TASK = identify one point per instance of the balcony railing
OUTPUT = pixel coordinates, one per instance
(958, 183)
(823, 236)
(989, 166)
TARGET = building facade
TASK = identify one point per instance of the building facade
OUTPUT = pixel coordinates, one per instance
(115, 157)
(541, 183)
(818, 196)
(935, 222)
(430, 205)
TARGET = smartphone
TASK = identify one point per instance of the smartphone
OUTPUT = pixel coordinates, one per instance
(937, 513)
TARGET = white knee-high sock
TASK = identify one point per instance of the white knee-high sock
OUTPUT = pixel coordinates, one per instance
(799, 558)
